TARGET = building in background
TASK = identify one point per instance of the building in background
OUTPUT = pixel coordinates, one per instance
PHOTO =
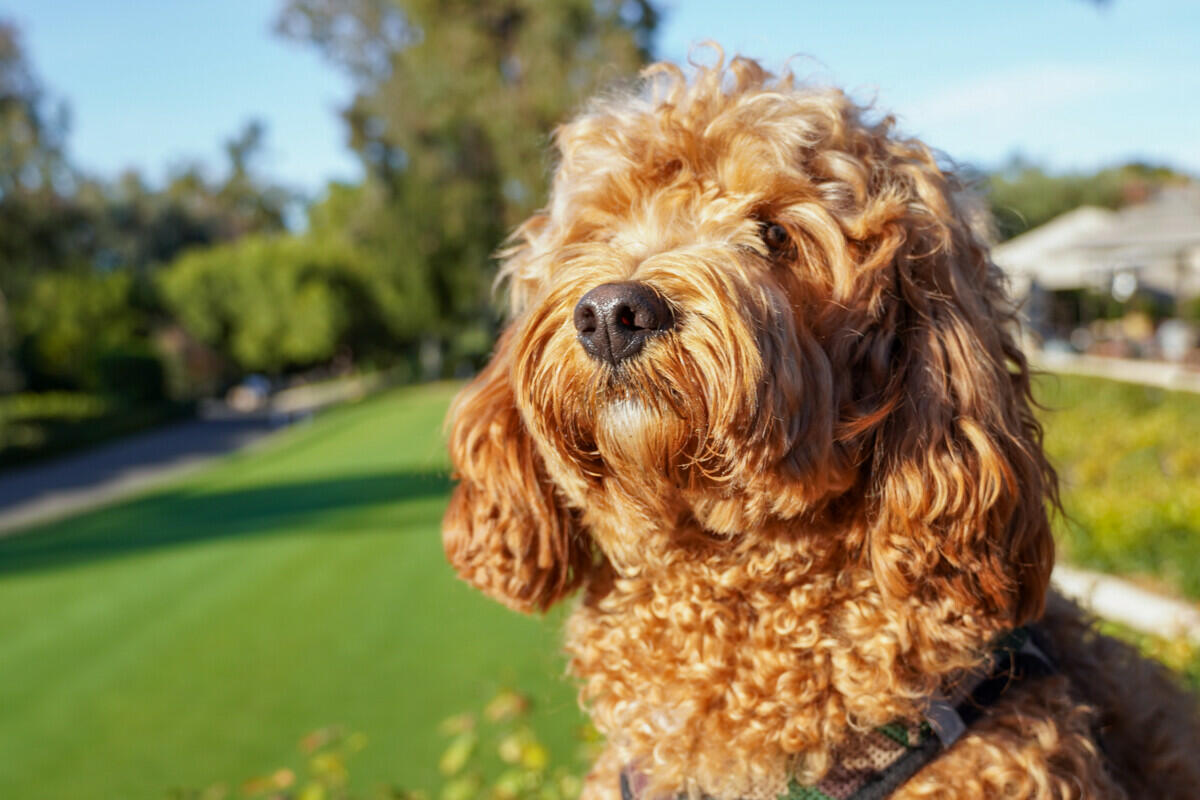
(1123, 283)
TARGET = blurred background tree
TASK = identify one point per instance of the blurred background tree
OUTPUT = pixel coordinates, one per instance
(80, 310)
(33, 172)
(1023, 195)
(147, 293)
(453, 105)
(144, 292)
(272, 302)
(31, 164)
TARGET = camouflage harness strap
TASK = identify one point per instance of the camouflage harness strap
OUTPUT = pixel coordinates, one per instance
(875, 764)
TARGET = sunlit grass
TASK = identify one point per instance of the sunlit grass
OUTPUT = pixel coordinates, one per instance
(1129, 460)
(197, 633)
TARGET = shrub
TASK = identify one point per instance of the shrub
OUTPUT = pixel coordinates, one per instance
(69, 320)
(36, 425)
(270, 303)
(26, 419)
(1128, 457)
(134, 374)
(494, 755)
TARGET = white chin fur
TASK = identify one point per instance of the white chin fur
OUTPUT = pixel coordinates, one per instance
(627, 418)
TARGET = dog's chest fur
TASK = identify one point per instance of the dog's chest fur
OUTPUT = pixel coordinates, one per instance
(735, 691)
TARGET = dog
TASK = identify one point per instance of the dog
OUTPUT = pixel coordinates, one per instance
(760, 402)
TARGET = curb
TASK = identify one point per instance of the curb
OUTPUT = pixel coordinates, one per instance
(1119, 600)
(48, 501)
(1107, 596)
(1164, 375)
(111, 478)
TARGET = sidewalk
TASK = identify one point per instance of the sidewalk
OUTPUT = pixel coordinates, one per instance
(107, 473)
(1127, 370)
(1119, 600)
(1108, 596)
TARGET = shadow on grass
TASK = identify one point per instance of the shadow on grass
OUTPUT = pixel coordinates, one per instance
(180, 516)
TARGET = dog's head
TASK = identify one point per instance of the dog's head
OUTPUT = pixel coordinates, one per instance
(747, 308)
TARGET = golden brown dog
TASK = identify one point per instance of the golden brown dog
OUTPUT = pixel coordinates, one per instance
(760, 400)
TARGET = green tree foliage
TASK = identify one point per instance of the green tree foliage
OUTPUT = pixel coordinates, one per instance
(32, 130)
(32, 166)
(350, 217)
(450, 118)
(467, 90)
(271, 303)
(348, 286)
(52, 217)
(1023, 195)
(71, 321)
(92, 290)
(76, 252)
(133, 224)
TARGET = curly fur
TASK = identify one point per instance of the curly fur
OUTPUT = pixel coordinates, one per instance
(815, 501)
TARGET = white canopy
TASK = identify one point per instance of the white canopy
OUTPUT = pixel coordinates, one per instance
(1157, 242)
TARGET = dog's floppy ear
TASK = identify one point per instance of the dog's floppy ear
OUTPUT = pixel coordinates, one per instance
(959, 482)
(506, 530)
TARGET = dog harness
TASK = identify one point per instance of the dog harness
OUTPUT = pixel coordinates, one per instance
(875, 764)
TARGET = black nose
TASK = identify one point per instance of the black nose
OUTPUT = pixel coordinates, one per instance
(615, 319)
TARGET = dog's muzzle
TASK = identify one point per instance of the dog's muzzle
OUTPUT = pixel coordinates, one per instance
(614, 320)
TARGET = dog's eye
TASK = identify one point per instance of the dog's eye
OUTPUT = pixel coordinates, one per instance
(775, 236)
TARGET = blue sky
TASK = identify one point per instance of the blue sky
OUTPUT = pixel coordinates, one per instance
(153, 84)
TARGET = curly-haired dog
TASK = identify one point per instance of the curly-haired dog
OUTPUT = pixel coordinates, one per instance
(760, 401)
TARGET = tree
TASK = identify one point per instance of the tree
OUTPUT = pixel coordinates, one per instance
(32, 129)
(1023, 195)
(453, 105)
(271, 303)
(72, 320)
(131, 223)
(251, 205)
(32, 168)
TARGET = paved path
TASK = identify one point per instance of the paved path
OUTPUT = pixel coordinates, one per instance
(1128, 370)
(1117, 599)
(107, 473)
(1108, 596)
(81, 481)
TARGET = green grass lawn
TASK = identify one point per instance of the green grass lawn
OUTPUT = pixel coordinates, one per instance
(196, 633)
(1128, 458)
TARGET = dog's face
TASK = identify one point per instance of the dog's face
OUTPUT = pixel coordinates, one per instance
(665, 356)
(745, 309)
